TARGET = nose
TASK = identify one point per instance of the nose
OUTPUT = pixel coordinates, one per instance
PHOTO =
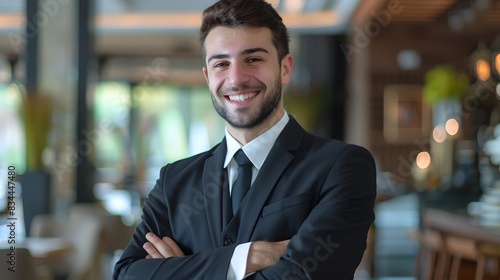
(237, 74)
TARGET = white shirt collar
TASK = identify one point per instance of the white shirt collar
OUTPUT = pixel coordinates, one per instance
(257, 149)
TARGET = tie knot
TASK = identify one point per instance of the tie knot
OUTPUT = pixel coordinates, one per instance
(242, 159)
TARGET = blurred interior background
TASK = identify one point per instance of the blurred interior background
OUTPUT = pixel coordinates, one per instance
(96, 96)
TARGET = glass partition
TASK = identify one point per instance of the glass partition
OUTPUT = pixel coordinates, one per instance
(140, 128)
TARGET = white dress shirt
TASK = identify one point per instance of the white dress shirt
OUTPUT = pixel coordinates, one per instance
(257, 151)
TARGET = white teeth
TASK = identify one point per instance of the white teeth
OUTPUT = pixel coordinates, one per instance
(241, 97)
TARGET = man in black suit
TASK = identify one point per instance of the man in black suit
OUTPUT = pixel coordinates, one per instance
(310, 204)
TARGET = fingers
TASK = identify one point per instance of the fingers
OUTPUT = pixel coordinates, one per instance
(151, 250)
(263, 254)
(161, 248)
(156, 248)
(173, 246)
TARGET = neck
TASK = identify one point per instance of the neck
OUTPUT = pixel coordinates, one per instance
(246, 135)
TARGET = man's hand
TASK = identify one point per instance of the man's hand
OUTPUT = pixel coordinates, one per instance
(161, 248)
(264, 254)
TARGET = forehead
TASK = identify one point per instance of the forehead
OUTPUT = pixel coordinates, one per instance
(228, 39)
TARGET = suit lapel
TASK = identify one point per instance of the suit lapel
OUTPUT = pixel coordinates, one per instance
(215, 183)
(275, 164)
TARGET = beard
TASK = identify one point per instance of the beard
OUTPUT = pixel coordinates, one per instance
(269, 105)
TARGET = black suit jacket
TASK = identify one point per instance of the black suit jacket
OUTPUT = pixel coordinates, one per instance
(319, 193)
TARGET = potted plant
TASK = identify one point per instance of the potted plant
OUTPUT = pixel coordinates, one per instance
(37, 111)
(443, 83)
(443, 89)
(36, 181)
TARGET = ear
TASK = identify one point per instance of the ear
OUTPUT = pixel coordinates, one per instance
(205, 74)
(286, 69)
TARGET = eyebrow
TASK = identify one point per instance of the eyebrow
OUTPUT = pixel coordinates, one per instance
(244, 52)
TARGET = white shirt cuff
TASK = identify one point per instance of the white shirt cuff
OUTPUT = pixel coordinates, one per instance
(239, 262)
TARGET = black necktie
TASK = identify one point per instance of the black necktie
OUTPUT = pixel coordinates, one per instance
(242, 183)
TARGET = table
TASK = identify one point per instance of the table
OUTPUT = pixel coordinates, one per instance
(458, 237)
(460, 224)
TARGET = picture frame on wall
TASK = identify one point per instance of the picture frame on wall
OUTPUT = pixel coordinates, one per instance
(406, 116)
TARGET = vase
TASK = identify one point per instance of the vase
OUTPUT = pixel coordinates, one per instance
(36, 194)
(443, 143)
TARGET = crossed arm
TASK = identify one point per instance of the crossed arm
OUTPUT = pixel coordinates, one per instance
(330, 241)
(261, 255)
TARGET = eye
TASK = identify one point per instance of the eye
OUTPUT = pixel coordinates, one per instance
(220, 64)
(254, 59)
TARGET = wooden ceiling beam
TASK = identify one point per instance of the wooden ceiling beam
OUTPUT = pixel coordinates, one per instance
(364, 10)
(417, 10)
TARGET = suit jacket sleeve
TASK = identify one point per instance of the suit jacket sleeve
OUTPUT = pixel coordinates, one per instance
(208, 264)
(331, 241)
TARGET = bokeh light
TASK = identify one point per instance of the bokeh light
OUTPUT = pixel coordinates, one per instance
(452, 126)
(439, 134)
(423, 160)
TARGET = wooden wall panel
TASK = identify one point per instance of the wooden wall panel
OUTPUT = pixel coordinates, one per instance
(436, 44)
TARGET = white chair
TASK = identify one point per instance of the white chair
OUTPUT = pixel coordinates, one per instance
(85, 234)
(94, 234)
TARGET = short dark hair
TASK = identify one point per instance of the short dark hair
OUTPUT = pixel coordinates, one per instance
(255, 13)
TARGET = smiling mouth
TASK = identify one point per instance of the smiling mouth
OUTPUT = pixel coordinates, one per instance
(241, 97)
